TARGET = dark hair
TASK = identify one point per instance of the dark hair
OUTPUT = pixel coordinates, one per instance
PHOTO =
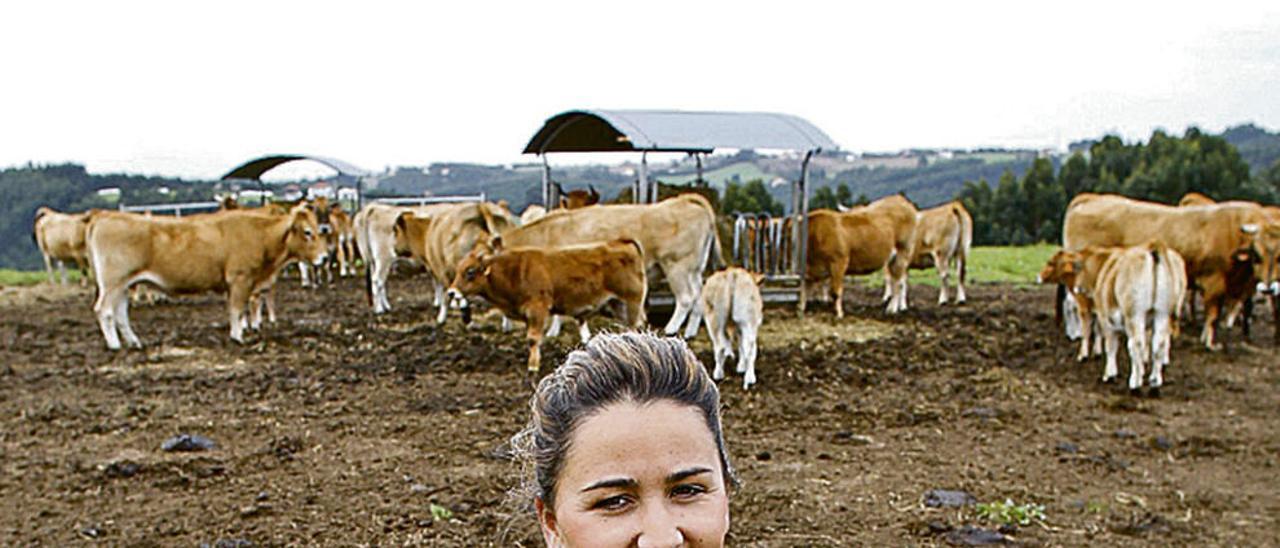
(612, 368)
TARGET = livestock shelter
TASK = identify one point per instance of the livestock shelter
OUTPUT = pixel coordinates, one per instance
(695, 133)
(254, 169)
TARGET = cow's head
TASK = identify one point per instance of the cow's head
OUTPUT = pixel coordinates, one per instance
(323, 209)
(303, 239)
(575, 199)
(1062, 268)
(473, 273)
(1264, 242)
(411, 235)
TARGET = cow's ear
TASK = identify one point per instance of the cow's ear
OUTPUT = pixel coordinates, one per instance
(495, 243)
(1249, 228)
(402, 222)
(487, 270)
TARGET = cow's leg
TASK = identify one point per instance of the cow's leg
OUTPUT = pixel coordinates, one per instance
(1071, 316)
(836, 272)
(959, 261)
(1086, 325)
(304, 273)
(442, 312)
(1136, 330)
(898, 270)
(1161, 338)
(341, 253)
(554, 330)
(695, 311)
(944, 274)
(888, 286)
(536, 322)
(716, 318)
(62, 271)
(584, 330)
(254, 314)
(105, 308)
(381, 270)
(122, 323)
(684, 297)
(747, 354)
(1213, 297)
(237, 299)
(48, 268)
(1112, 338)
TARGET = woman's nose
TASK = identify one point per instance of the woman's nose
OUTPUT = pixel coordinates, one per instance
(659, 529)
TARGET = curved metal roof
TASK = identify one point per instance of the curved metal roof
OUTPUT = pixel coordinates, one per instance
(253, 169)
(674, 131)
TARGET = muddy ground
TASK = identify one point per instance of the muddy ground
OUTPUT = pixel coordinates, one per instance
(338, 428)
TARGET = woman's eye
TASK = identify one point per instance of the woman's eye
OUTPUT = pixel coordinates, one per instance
(687, 490)
(612, 503)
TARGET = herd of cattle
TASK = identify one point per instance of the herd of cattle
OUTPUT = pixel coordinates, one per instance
(1128, 264)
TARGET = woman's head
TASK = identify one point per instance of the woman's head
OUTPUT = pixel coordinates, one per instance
(624, 446)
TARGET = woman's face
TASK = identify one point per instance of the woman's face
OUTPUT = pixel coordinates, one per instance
(639, 475)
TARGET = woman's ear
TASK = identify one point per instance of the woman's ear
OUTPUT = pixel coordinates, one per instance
(547, 522)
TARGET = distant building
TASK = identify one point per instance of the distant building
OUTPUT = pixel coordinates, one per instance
(347, 194)
(291, 193)
(164, 190)
(112, 193)
(251, 196)
(320, 189)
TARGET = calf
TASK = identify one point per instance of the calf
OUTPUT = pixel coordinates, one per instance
(60, 237)
(532, 283)
(733, 295)
(944, 235)
(237, 252)
(1078, 271)
(861, 241)
(1137, 284)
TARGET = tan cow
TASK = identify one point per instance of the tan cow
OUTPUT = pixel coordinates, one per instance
(733, 295)
(60, 237)
(376, 239)
(861, 241)
(532, 283)
(678, 235)
(442, 240)
(532, 213)
(236, 252)
(1195, 199)
(1140, 281)
(1078, 272)
(579, 198)
(1207, 237)
(944, 235)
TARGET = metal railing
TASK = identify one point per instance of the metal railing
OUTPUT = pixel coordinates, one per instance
(765, 244)
(423, 200)
(177, 209)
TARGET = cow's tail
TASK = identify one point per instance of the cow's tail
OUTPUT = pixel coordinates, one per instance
(966, 238)
(715, 256)
(1060, 305)
(1157, 248)
(362, 243)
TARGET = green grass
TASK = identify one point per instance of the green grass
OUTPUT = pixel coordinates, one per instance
(1016, 265)
(744, 170)
(23, 277)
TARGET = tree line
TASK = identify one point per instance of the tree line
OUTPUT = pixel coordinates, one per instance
(1030, 208)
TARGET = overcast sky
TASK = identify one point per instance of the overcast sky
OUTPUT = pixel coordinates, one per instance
(191, 90)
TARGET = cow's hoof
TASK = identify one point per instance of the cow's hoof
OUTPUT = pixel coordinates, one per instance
(1154, 392)
(1135, 392)
(1108, 380)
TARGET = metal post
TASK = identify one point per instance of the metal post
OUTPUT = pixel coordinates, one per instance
(697, 156)
(802, 229)
(643, 196)
(359, 192)
(262, 193)
(546, 183)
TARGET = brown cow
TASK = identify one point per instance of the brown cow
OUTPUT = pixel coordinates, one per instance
(1207, 237)
(1134, 283)
(579, 198)
(238, 252)
(1195, 199)
(861, 241)
(442, 240)
(532, 283)
(1078, 272)
(944, 235)
(60, 237)
(678, 235)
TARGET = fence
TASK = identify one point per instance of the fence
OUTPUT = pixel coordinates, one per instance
(177, 209)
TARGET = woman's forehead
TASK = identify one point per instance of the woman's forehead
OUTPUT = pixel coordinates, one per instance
(629, 439)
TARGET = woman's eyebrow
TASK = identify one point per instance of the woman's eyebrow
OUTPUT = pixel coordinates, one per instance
(688, 472)
(611, 483)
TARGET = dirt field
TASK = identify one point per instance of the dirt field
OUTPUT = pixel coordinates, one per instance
(337, 428)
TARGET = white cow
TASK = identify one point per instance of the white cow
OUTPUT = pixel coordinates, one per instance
(733, 295)
(1142, 282)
